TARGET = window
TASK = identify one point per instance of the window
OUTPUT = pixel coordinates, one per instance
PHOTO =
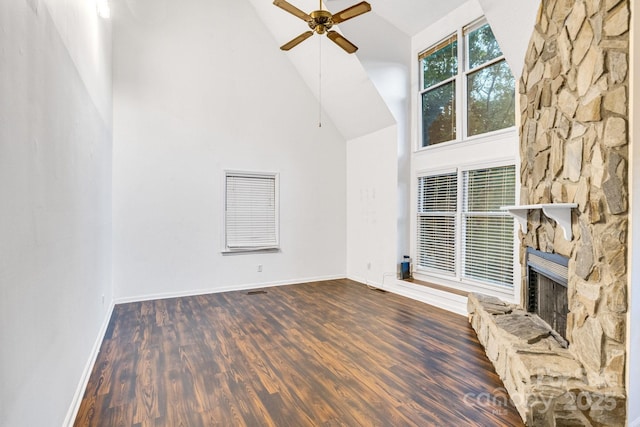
(251, 211)
(477, 97)
(487, 231)
(437, 207)
(439, 72)
(472, 240)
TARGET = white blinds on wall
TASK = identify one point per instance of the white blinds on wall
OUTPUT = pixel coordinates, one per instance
(487, 231)
(437, 204)
(251, 214)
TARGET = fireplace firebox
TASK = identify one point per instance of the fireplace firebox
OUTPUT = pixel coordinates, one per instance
(546, 293)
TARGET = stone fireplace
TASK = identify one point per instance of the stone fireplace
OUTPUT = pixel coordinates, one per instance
(574, 149)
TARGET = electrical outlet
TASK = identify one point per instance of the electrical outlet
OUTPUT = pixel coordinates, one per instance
(369, 266)
(259, 268)
(102, 299)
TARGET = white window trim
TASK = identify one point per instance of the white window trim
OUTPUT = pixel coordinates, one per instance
(459, 93)
(454, 215)
(240, 250)
(459, 282)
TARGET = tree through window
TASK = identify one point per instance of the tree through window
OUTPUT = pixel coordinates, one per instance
(490, 84)
(489, 87)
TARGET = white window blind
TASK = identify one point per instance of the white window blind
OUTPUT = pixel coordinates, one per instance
(488, 253)
(251, 211)
(437, 205)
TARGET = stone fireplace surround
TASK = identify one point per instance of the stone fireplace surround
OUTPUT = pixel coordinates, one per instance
(574, 149)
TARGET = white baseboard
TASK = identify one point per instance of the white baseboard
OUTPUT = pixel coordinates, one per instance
(635, 423)
(447, 301)
(88, 368)
(217, 290)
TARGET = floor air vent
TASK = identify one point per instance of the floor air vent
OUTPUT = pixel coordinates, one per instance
(256, 292)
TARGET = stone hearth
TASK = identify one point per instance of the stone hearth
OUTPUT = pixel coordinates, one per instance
(545, 381)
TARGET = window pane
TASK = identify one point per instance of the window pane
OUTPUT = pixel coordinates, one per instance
(439, 114)
(436, 243)
(251, 216)
(487, 231)
(437, 204)
(488, 249)
(438, 193)
(490, 99)
(483, 46)
(440, 65)
(489, 189)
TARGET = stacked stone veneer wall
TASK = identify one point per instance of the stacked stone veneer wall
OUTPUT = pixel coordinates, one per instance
(574, 148)
(574, 144)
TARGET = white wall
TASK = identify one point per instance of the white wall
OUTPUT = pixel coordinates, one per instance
(372, 188)
(55, 186)
(87, 39)
(391, 79)
(201, 92)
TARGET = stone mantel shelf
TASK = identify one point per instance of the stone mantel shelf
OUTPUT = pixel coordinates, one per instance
(559, 212)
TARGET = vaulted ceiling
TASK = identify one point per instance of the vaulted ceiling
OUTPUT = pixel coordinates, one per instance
(348, 85)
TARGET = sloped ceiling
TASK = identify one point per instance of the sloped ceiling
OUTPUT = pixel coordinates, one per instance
(409, 16)
(337, 79)
(345, 85)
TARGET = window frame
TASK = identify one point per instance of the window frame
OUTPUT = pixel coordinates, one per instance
(442, 214)
(459, 281)
(457, 79)
(461, 78)
(275, 246)
(466, 214)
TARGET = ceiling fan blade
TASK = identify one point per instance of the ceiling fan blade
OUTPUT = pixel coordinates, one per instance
(284, 5)
(342, 42)
(293, 43)
(351, 12)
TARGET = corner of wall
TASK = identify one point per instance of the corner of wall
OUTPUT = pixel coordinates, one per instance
(72, 412)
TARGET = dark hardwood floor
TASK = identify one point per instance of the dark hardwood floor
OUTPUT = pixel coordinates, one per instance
(332, 353)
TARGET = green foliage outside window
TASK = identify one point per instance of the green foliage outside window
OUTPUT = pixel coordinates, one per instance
(439, 114)
(483, 46)
(439, 68)
(440, 65)
(490, 99)
(490, 88)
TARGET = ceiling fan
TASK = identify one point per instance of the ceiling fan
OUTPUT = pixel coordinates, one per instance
(320, 21)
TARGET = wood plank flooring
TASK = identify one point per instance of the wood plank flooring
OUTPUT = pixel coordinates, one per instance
(332, 353)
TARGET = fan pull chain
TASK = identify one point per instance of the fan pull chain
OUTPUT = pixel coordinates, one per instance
(320, 82)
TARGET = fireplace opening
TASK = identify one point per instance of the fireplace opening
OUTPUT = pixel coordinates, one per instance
(546, 294)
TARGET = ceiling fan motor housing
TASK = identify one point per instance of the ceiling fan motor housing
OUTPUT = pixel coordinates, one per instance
(321, 21)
